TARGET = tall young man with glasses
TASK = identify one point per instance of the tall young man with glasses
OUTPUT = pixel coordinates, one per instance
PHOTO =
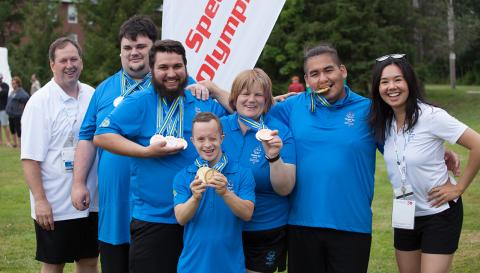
(136, 37)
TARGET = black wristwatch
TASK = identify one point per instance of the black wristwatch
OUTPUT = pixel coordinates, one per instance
(273, 159)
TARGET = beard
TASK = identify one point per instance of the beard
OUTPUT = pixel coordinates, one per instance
(168, 93)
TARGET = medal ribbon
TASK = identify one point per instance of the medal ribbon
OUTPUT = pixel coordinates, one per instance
(317, 98)
(169, 120)
(129, 85)
(219, 166)
(252, 124)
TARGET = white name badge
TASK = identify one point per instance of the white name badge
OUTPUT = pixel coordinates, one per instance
(68, 153)
(403, 214)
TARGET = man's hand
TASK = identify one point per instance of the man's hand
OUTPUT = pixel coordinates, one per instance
(44, 214)
(452, 160)
(80, 196)
(159, 149)
(283, 97)
(219, 183)
(273, 146)
(199, 91)
(198, 188)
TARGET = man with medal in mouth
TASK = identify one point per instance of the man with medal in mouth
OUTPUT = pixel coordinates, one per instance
(136, 37)
(153, 127)
(213, 197)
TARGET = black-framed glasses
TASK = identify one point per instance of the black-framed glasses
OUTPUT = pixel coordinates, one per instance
(390, 56)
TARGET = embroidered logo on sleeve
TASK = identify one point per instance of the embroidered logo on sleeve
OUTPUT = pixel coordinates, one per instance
(105, 122)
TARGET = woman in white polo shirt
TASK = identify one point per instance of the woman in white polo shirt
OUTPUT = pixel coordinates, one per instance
(427, 207)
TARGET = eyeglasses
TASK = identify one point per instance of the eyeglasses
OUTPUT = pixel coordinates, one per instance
(390, 56)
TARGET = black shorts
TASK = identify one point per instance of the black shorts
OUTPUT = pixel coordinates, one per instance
(154, 247)
(72, 240)
(433, 234)
(15, 127)
(327, 250)
(114, 258)
(265, 250)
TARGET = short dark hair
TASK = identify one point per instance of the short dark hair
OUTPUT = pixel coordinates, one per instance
(138, 25)
(381, 114)
(320, 49)
(169, 46)
(61, 43)
(207, 117)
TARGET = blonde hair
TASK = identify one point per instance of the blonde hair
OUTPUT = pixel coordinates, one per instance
(245, 80)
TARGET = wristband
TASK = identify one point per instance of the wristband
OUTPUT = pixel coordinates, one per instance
(273, 159)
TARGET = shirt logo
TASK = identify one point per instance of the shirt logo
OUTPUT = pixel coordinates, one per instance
(197, 110)
(256, 155)
(350, 119)
(230, 186)
(105, 122)
(270, 258)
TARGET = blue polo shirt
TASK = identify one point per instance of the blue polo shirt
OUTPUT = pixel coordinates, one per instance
(151, 178)
(113, 170)
(335, 162)
(212, 239)
(271, 209)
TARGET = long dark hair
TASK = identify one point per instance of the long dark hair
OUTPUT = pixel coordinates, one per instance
(381, 114)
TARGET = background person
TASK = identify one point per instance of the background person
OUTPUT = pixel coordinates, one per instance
(4, 88)
(50, 124)
(295, 86)
(413, 133)
(35, 84)
(15, 106)
(212, 208)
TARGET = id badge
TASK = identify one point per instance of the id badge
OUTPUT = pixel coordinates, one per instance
(68, 154)
(403, 214)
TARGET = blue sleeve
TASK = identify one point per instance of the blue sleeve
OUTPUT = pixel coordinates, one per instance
(217, 108)
(282, 111)
(125, 119)
(288, 152)
(181, 187)
(89, 124)
(191, 80)
(247, 185)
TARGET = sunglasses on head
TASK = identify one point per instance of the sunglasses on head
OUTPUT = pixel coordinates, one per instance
(390, 56)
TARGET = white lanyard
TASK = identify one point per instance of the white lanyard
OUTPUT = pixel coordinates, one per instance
(401, 164)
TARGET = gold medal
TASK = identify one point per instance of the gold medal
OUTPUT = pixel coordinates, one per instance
(322, 90)
(201, 174)
(209, 175)
(264, 135)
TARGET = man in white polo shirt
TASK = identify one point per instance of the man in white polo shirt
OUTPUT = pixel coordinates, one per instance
(50, 126)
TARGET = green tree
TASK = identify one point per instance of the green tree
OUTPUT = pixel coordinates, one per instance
(29, 54)
(101, 23)
(10, 19)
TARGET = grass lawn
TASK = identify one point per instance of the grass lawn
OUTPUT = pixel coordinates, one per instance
(17, 239)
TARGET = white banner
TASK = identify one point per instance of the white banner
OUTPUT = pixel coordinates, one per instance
(222, 38)
(4, 67)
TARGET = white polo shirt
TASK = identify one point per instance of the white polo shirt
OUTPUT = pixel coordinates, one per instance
(49, 117)
(424, 154)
